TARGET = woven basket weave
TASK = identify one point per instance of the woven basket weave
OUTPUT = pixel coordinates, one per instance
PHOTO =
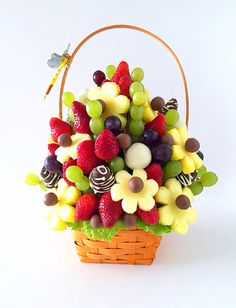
(127, 246)
(131, 246)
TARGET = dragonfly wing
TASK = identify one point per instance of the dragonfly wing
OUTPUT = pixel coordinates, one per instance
(55, 60)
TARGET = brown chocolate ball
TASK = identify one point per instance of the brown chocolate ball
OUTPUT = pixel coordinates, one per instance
(192, 145)
(124, 141)
(135, 184)
(182, 202)
(95, 221)
(157, 103)
(103, 105)
(129, 219)
(167, 138)
(50, 199)
(64, 140)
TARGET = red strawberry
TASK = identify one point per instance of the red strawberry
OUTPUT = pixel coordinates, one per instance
(59, 127)
(65, 165)
(158, 124)
(155, 172)
(81, 118)
(106, 145)
(124, 84)
(121, 70)
(86, 207)
(52, 147)
(122, 78)
(150, 217)
(109, 210)
(86, 158)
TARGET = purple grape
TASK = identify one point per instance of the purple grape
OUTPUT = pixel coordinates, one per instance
(113, 123)
(161, 153)
(98, 77)
(149, 137)
(52, 164)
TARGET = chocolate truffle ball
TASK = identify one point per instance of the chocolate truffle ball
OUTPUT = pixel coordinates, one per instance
(135, 184)
(50, 199)
(124, 141)
(129, 219)
(182, 202)
(64, 140)
(167, 138)
(192, 145)
(157, 103)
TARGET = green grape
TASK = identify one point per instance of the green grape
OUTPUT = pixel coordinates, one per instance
(168, 127)
(42, 186)
(83, 183)
(71, 115)
(94, 108)
(96, 125)
(136, 127)
(68, 98)
(32, 179)
(116, 164)
(74, 174)
(137, 74)
(196, 188)
(201, 171)
(139, 98)
(88, 191)
(172, 116)
(110, 70)
(135, 139)
(173, 168)
(136, 112)
(209, 179)
(135, 86)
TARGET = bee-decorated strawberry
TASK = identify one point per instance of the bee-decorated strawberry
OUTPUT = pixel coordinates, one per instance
(81, 118)
(86, 158)
(106, 145)
(109, 210)
(59, 127)
(86, 207)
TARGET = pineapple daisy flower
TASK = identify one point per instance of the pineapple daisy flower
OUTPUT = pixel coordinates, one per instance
(134, 191)
(63, 211)
(190, 160)
(176, 210)
(116, 104)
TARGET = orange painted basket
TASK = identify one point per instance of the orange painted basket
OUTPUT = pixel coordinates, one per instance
(132, 246)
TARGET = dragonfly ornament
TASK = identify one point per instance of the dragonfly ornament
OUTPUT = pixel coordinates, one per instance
(59, 62)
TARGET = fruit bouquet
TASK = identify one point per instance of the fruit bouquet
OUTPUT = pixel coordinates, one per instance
(121, 170)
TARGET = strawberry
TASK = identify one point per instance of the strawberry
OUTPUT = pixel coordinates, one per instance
(121, 70)
(149, 217)
(86, 207)
(52, 147)
(109, 210)
(155, 172)
(106, 145)
(81, 118)
(124, 84)
(122, 78)
(59, 127)
(67, 164)
(86, 158)
(158, 124)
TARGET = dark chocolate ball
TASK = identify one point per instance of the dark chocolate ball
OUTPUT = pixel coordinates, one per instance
(124, 141)
(129, 219)
(167, 138)
(192, 145)
(182, 202)
(157, 103)
(135, 184)
(50, 199)
(64, 140)
(95, 221)
(103, 104)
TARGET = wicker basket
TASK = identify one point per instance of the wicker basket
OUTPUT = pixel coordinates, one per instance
(131, 246)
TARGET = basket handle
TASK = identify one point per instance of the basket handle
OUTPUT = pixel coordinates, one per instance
(122, 26)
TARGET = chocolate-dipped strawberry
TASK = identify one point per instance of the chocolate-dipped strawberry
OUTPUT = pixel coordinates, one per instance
(101, 179)
(186, 179)
(171, 104)
(50, 179)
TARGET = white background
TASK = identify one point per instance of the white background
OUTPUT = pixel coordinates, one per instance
(39, 267)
